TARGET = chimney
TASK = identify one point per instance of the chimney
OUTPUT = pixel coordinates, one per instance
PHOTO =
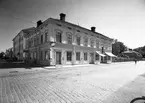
(39, 23)
(62, 17)
(93, 29)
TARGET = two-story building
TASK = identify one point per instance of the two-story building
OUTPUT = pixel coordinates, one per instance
(19, 43)
(58, 42)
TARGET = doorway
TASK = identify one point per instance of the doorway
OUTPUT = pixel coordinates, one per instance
(91, 58)
(58, 57)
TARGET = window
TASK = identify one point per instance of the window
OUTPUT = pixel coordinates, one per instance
(41, 39)
(34, 55)
(86, 41)
(35, 41)
(108, 58)
(78, 56)
(69, 56)
(69, 38)
(58, 37)
(97, 57)
(102, 50)
(41, 55)
(78, 40)
(85, 56)
(31, 55)
(97, 43)
(46, 36)
(46, 55)
(92, 42)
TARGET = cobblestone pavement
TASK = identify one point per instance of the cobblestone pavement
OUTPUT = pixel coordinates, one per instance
(110, 83)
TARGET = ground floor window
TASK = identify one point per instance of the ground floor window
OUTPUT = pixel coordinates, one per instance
(46, 55)
(69, 56)
(41, 55)
(34, 55)
(97, 57)
(31, 55)
(85, 56)
(78, 56)
(108, 57)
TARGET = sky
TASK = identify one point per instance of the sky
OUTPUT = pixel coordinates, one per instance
(118, 19)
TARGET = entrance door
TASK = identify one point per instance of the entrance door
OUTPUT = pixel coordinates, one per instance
(58, 57)
(91, 58)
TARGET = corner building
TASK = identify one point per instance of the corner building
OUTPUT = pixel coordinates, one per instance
(58, 42)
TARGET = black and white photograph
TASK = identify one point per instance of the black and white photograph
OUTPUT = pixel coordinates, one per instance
(72, 51)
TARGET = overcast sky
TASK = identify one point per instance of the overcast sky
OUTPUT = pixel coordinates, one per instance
(119, 19)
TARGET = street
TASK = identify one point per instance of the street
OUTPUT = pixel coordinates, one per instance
(104, 83)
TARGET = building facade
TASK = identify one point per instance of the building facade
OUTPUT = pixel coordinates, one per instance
(9, 52)
(19, 43)
(58, 42)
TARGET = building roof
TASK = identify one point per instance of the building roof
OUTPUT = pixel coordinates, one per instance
(27, 30)
(81, 27)
(74, 26)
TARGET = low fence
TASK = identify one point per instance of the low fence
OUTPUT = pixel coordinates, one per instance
(122, 59)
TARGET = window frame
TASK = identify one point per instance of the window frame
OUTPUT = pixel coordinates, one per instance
(69, 37)
(58, 34)
(78, 56)
(78, 40)
(85, 56)
(69, 58)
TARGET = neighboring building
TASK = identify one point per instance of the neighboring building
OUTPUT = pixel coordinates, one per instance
(57, 42)
(19, 43)
(132, 54)
(9, 52)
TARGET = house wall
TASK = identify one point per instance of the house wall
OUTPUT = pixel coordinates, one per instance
(51, 27)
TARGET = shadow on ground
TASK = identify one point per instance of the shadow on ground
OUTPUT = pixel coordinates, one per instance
(128, 92)
(8, 65)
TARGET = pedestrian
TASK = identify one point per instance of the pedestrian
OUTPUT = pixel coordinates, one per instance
(135, 61)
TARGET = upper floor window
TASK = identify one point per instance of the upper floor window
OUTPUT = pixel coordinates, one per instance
(35, 41)
(46, 36)
(97, 43)
(69, 38)
(86, 41)
(78, 40)
(92, 42)
(41, 38)
(58, 36)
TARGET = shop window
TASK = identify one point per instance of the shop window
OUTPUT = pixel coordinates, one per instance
(78, 56)
(69, 56)
(97, 57)
(41, 55)
(46, 55)
(85, 56)
(108, 57)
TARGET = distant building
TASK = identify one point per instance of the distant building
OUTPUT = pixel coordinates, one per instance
(58, 42)
(19, 43)
(132, 54)
(9, 52)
